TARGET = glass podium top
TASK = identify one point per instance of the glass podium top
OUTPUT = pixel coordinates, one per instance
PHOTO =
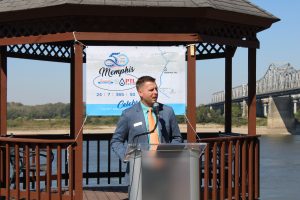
(164, 147)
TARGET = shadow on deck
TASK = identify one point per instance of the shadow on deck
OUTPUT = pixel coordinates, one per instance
(105, 193)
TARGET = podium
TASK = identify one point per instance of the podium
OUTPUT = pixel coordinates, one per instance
(164, 171)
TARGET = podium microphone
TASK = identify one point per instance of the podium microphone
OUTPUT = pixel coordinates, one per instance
(156, 110)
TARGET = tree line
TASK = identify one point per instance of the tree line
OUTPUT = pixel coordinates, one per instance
(62, 111)
(45, 111)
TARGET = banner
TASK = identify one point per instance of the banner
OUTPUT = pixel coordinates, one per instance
(112, 71)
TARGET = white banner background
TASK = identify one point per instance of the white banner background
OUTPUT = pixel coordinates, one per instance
(112, 71)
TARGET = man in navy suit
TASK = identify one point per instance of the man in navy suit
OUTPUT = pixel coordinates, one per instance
(134, 120)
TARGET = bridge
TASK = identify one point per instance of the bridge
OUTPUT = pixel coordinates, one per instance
(277, 95)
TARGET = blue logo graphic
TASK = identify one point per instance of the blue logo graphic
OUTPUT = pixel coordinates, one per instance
(125, 104)
(116, 59)
(122, 82)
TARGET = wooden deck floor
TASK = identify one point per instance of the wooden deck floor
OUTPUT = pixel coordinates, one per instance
(105, 193)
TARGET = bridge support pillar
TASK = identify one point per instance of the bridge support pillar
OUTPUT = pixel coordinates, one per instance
(244, 108)
(265, 103)
(281, 113)
(295, 101)
(265, 109)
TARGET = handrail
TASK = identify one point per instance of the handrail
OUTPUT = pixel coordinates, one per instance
(228, 138)
(33, 140)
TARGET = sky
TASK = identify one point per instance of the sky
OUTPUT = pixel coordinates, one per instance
(39, 82)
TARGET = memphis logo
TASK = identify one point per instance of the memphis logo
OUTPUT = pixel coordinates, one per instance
(116, 60)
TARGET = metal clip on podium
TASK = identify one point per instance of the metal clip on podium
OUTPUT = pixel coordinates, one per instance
(169, 172)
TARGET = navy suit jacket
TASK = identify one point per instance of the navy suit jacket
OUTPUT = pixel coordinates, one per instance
(132, 122)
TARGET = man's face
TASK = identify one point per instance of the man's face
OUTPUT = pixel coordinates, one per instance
(148, 93)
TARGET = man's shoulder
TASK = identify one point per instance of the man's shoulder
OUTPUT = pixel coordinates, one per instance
(166, 108)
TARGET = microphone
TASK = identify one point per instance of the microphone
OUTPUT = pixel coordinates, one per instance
(156, 110)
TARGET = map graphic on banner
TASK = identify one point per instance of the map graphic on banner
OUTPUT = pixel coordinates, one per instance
(112, 72)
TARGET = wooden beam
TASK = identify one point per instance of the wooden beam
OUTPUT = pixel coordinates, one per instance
(191, 94)
(57, 37)
(210, 56)
(251, 91)
(77, 114)
(137, 37)
(228, 91)
(96, 36)
(3, 91)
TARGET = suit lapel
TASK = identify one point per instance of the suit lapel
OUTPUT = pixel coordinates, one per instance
(140, 116)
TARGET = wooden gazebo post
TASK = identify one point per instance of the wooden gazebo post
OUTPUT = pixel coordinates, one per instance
(228, 89)
(191, 93)
(251, 91)
(77, 113)
(3, 108)
(3, 90)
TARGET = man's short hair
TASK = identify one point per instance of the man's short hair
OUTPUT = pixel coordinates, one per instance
(142, 80)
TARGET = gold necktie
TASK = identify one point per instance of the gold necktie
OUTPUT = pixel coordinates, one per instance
(153, 136)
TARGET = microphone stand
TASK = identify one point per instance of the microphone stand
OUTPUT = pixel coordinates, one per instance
(147, 132)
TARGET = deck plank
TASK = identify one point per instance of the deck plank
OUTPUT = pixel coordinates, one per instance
(122, 193)
(90, 194)
(105, 193)
(111, 195)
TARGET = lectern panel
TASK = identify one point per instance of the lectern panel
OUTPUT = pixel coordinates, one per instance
(164, 172)
(166, 175)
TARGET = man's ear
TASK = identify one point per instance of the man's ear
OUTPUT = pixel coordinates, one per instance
(140, 93)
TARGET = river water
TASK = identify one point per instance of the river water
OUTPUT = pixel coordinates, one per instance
(280, 167)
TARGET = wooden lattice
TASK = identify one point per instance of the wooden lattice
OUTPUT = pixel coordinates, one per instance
(62, 53)
(49, 52)
(209, 51)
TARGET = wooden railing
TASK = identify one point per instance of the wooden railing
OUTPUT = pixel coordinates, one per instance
(229, 167)
(35, 168)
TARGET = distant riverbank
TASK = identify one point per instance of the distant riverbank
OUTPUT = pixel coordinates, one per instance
(261, 130)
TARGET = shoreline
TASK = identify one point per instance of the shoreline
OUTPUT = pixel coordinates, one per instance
(260, 130)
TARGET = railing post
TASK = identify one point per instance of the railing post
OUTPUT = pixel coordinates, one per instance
(207, 171)
(76, 114)
(256, 169)
(251, 171)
